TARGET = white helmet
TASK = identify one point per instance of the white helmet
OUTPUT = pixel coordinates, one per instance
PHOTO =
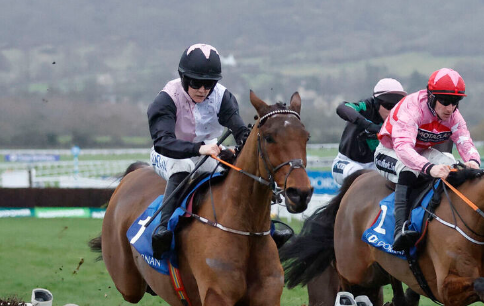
(388, 86)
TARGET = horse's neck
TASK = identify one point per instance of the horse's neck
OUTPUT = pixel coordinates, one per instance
(249, 196)
(473, 190)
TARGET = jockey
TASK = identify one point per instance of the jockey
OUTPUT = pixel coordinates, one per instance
(364, 120)
(185, 120)
(418, 122)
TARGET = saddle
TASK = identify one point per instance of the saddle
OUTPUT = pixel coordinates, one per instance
(140, 236)
(192, 184)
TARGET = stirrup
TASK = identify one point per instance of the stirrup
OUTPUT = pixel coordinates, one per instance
(405, 238)
(407, 232)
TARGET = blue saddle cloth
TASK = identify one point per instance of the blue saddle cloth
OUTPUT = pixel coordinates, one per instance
(380, 234)
(140, 236)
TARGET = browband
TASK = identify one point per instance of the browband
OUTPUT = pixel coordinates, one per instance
(279, 111)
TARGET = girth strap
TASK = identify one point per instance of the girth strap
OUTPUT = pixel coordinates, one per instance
(178, 285)
(417, 272)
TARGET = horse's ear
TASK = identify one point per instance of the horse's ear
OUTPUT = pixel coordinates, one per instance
(295, 102)
(257, 103)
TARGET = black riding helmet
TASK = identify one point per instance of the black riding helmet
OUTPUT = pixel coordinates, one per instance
(199, 62)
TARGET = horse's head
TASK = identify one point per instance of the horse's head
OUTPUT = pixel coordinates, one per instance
(282, 141)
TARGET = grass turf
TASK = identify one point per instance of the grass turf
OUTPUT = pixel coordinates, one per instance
(53, 254)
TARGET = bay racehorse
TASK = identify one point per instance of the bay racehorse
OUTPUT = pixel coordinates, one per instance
(450, 257)
(218, 267)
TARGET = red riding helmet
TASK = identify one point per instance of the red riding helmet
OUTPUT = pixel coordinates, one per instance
(446, 81)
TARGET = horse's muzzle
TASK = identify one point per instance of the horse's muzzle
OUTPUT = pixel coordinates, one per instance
(479, 287)
(297, 200)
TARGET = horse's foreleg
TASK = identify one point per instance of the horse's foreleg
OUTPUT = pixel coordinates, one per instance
(214, 297)
(412, 297)
(458, 290)
(398, 294)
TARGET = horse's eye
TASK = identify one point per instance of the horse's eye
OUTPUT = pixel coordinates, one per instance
(269, 139)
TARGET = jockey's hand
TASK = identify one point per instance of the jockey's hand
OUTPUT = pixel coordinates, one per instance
(210, 149)
(440, 171)
(471, 164)
(373, 128)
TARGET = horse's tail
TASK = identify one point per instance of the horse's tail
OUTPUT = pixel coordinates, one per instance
(95, 245)
(309, 253)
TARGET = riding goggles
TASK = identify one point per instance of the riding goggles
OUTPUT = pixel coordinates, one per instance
(389, 100)
(388, 105)
(447, 102)
(196, 84)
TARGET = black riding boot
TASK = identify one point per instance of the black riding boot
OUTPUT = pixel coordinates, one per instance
(161, 239)
(403, 237)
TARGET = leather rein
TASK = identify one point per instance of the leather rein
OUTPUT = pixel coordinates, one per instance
(277, 191)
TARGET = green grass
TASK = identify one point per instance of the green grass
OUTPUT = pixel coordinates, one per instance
(45, 253)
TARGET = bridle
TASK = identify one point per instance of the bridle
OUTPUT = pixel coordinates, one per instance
(271, 170)
(277, 191)
(455, 212)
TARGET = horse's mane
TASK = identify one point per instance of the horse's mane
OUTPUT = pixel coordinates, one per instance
(134, 166)
(457, 178)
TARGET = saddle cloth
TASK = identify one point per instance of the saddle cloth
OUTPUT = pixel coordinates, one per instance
(140, 236)
(380, 233)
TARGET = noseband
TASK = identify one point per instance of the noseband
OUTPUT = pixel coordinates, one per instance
(293, 163)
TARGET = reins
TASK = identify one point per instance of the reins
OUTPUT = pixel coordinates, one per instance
(277, 191)
(464, 198)
(454, 211)
(257, 178)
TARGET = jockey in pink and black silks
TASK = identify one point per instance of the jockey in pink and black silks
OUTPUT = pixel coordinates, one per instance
(416, 124)
(192, 111)
(185, 120)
